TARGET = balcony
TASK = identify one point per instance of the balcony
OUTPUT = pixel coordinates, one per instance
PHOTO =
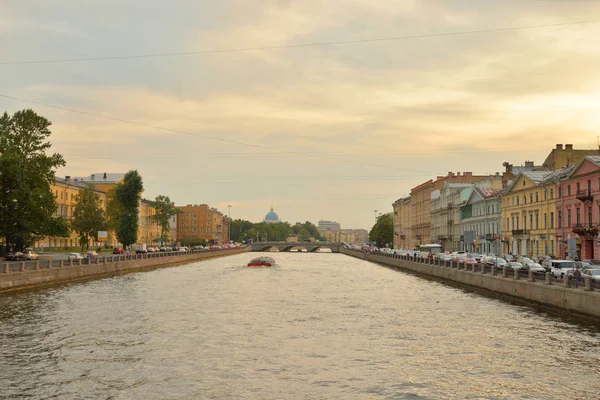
(490, 236)
(585, 230)
(516, 232)
(442, 237)
(584, 195)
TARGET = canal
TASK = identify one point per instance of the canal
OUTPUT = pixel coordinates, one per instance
(317, 326)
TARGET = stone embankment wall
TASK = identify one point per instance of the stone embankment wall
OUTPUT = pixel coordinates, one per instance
(42, 273)
(539, 289)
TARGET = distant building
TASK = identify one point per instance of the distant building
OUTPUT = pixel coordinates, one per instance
(567, 156)
(202, 222)
(148, 228)
(272, 217)
(328, 225)
(351, 236)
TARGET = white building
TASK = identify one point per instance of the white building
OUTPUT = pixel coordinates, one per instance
(480, 221)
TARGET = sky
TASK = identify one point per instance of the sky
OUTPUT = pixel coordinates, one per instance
(324, 109)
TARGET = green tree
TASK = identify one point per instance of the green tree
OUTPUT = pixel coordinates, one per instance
(165, 209)
(382, 232)
(128, 195)
(88, 216)
(303, 235)
(57, 227)
(26, 172)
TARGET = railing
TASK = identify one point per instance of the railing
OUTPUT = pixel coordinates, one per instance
(520, 232)
(584, 283)
(21, 266)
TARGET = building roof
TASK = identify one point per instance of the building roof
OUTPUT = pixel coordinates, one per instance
(272, 216)
(102, 177)
(486, 193)
(593, 159)
(541, 178)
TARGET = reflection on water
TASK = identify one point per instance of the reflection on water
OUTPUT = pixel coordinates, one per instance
(317, 326)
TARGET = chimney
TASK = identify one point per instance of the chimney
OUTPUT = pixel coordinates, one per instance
(458, 174)
(529, 163)
(93, 176)
(559, 147)
(450, 173)
(568, 147)
(104, 176)
(68, 179)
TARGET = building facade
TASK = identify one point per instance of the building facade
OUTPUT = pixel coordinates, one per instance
(199, 221)
(402, 221)
(561, 157)
(148, 228)
(328, 226)
(578, 210)
(529, 212)
(442, 215)
(480, 221)
(350, 236)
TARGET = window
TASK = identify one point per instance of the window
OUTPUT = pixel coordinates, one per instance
(531, 197)
(517, 200)
(559, 219)
(551, 194)
(577, 216)
(590, 216)
(560, 192)
(507, 224)
(568, 190)
(194, 215)
(537, 197)
(545, 194)
(517, 222)
(194, 229)
(577, 186)
(545, 221)
(537, 217)
(568, 218)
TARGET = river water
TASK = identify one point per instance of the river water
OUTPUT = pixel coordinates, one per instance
(317, 326)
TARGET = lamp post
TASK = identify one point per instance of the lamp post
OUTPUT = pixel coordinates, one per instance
(229, 224)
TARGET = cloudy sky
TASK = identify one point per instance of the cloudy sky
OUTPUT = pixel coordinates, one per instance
(260, 110)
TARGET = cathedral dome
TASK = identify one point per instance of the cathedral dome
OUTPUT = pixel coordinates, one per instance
(272, 217)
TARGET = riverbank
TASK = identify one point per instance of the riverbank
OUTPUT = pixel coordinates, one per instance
(42, 273)
(582, 300)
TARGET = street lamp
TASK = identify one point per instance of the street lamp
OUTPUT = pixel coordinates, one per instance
(229, 224)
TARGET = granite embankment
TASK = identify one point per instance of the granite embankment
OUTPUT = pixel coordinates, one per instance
(43, 273)
(544, 290)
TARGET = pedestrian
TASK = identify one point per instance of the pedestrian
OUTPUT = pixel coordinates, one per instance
(577, 276)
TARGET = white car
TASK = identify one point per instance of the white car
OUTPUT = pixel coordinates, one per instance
(558, 268)
(592, 273)
(74, 256)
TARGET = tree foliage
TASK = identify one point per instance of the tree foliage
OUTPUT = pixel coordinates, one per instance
(165, 209)
(57, 227)
(88, 216)
(27, 204)
(382, 232)
(128, 195)
(242, 230)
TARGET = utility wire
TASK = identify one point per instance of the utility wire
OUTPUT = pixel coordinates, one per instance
(205, 136)
(291, 46)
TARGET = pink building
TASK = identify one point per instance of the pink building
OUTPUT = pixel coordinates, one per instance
(578, 211)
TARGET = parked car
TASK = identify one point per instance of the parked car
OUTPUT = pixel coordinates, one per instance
(16, 256)
(74, 256)
(509, 257)
(536, 268)
(493, 260)
(592, 273)
(514, 265)
(163, 249)
(558, 268)
(31, 255)
(118, 250)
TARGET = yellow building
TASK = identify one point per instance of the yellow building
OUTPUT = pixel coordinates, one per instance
(199, 221)
(402, 223)
(65, 192)
(148, 228)
(529, 213)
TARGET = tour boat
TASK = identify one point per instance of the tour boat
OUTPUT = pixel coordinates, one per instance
(261, 262)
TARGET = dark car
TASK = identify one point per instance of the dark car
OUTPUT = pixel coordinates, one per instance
(16, 256)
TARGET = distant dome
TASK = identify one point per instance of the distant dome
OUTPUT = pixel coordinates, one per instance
(272, 217)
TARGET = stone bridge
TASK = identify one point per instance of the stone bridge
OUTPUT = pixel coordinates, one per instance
(287, 246)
